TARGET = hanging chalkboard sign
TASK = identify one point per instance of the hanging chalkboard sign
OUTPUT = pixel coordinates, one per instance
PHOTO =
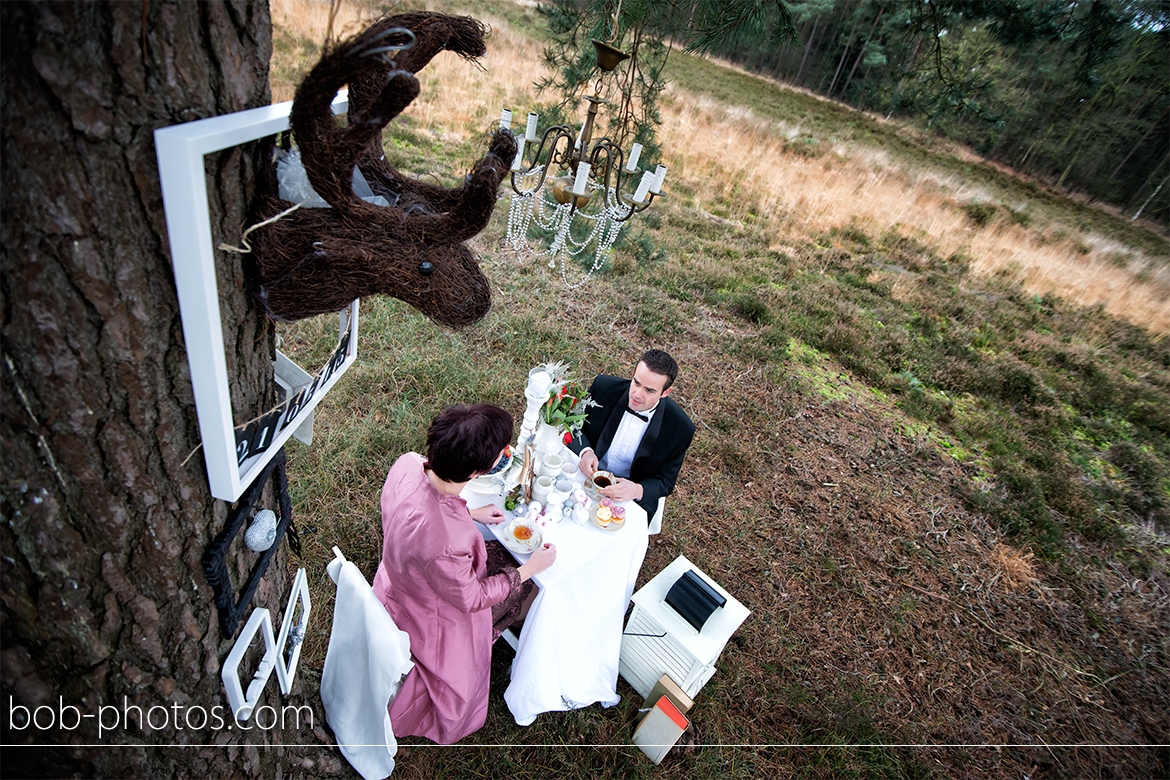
(256, 438)
(234, 458)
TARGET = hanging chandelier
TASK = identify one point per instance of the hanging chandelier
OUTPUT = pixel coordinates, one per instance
(574, 190)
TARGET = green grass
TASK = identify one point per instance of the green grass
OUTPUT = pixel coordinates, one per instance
(1057, 412)
(872, 420)
(1031, 370)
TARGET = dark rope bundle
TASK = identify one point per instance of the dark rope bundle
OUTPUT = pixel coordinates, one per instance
(314, 261)
(215, 565)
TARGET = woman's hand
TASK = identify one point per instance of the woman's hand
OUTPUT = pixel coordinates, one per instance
(541, 559)
(488, 514)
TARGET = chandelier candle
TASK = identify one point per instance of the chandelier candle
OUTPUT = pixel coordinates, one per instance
(518, 162)
(582, 180)
(659, 178)
(632, 165)
(530, 131)
(643, 187)
(506, 119)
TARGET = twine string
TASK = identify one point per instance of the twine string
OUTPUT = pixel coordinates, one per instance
(262, 415)
(247, 248)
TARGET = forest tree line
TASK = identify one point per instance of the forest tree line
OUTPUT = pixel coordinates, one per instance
(1075, 93)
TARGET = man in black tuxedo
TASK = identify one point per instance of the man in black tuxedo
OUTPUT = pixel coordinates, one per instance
(637, 433)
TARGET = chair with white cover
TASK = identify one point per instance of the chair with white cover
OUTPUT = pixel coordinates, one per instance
(367, 659)
(655, 526)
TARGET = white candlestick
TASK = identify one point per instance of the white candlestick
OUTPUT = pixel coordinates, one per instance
(635, 153)
(518, 163)
(506, 119)
(582, 178)
(659, 177)
(530, 131)
(536, 393)
(539, 382)
(579, 132)
(643, 186)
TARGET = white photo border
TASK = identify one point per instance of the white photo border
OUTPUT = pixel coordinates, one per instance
(180, 150)
(298, 628)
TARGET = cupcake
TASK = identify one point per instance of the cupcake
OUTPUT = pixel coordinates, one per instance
(604, 516)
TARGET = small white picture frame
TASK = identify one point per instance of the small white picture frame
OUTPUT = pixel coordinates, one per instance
(293, 625)
(232, 465)
(244, 704)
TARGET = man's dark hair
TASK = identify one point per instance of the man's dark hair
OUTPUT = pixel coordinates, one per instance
(464, 440)
(660, 363)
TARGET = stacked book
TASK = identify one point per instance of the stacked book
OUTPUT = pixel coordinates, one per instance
(665, 720)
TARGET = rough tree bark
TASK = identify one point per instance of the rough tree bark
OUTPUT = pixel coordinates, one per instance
(105, 520)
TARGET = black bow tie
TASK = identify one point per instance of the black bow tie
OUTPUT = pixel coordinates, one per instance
(641, 417)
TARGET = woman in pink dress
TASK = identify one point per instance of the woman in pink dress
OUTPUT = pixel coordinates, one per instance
(448, 591)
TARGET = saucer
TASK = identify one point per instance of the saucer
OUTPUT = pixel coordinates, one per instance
(591, 489)
(522, 548)
(485, 486)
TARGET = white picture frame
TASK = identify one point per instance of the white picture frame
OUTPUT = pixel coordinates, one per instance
(243, 703)
(285, 673)
(180, 149)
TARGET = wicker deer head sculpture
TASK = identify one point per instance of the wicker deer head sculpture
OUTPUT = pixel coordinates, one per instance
(317, 260)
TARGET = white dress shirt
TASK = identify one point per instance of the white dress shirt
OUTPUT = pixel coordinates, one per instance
(620, 455)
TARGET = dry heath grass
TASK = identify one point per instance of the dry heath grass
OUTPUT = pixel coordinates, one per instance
(745, 165)
(886, 608)
(739, 166)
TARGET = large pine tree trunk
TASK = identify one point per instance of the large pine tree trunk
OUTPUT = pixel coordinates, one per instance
(105, 519)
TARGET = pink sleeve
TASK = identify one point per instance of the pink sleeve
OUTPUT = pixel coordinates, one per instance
(453, 579)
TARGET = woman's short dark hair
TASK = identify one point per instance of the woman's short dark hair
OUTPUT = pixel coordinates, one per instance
(464, 440)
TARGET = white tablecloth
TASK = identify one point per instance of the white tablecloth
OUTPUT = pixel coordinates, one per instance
(569, 647)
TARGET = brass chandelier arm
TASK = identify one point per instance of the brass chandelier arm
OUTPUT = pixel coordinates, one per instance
(634, 208)
(611, 151)
(557, 132)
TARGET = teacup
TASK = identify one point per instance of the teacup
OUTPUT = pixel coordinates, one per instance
(541, 487)
(550, 465)
(599, 480)
(602, 479)
(524, 534)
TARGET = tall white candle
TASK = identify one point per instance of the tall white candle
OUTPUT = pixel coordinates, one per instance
(519, 161)
(643, 186)
(506, 119)
(582, 178)
(530, 131)
(659, 177)
(635, 153)
(579, 132)
(539, 382)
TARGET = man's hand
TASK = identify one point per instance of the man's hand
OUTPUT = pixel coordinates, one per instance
(489, 514)
(623, 490)
(588, 463)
